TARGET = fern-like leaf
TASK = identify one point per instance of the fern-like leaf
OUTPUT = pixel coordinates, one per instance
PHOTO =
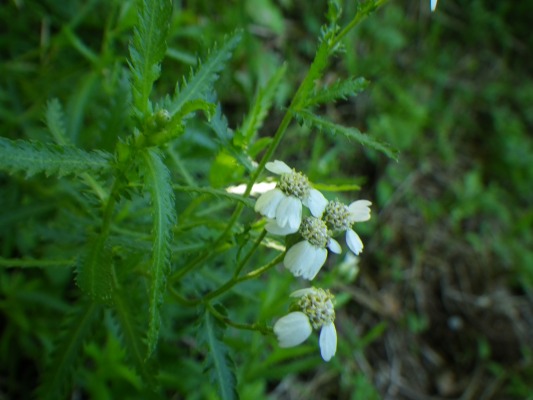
(314, 121)
(65, 357)
(55, 122)
(36, 157)
(256, 116)
(218, 362)
(94, 274)
(158, 183)
(148, 49)
(339, 90)
(130, 334)
(200, 83)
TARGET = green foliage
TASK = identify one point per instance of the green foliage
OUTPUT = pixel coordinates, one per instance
(201, 81)
(218, 361)
(260, 108)
(340, 90)
(142, 140)
(148, 49)
(322, 124)
(61, 367)
(163, 210)
(35, 157)
(95, 270)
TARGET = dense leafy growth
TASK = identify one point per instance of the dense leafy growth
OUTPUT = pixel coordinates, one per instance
(134, 141)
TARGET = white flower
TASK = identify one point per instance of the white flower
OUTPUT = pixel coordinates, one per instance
(306, 258)
(316, 312)
(339, 217)
(433, 5)
(284, 202)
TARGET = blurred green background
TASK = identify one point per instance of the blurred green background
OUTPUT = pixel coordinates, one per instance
(442, 305)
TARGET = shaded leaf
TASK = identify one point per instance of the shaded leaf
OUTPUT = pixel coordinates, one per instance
(36, 157)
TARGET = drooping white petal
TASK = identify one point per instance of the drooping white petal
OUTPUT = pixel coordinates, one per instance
(292, 329)
(268, 203)
(360, 210)
(278, 167)
(328, 341)
(289, 212)
(302, 292)
(433, 5)
(316, 202)
(354, 241)
(334, 246)
(273, 228)
(302, 259)
(318, 261)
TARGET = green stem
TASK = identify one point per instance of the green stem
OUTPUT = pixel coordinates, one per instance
(225, 320)
(249, 254)
(228, 285)
(356, 20)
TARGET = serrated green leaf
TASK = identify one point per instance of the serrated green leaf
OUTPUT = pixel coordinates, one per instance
(65, 356)
(36, 157)
(218, 361)
(339, 90)
(202, 80)
(262, 103)
(148, 49)
(94, 274)
(54, 119)
(219, 124)
(314, 121)
(130, 333)
(163, 210)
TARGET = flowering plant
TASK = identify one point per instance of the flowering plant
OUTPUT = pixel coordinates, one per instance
(146, 200)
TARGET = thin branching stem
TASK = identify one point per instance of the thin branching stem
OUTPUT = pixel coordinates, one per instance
(249, 254)
(225, 320)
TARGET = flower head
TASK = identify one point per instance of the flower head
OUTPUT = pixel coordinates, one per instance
(339, 217)
(284, 202)
(314, 311)
(306, 258)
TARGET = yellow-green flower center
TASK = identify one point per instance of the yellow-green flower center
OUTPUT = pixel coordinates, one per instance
(318, 306)
(337, 216)
(315, 231)
(294, 184)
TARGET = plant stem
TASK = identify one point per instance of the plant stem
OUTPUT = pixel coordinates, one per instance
(250, 327)
(249, 254)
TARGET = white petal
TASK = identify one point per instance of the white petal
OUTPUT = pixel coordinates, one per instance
(328, 341)
(289, 212)
(318, 262)
(302, 257)
(433, 5)
(273, 228)
(268, 203)
(360, 210)
(334, 246)
(278, 167)
(316, 202)
(354, 241)
(302, 292)
(292, 329)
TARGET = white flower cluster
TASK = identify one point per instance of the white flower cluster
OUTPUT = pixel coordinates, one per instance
(283, 208)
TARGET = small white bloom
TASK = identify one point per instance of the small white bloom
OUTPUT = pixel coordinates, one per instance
(316, 312)
(292, 329)
(340, 217)
(284, 202)
(433, 5)
(306, 258)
